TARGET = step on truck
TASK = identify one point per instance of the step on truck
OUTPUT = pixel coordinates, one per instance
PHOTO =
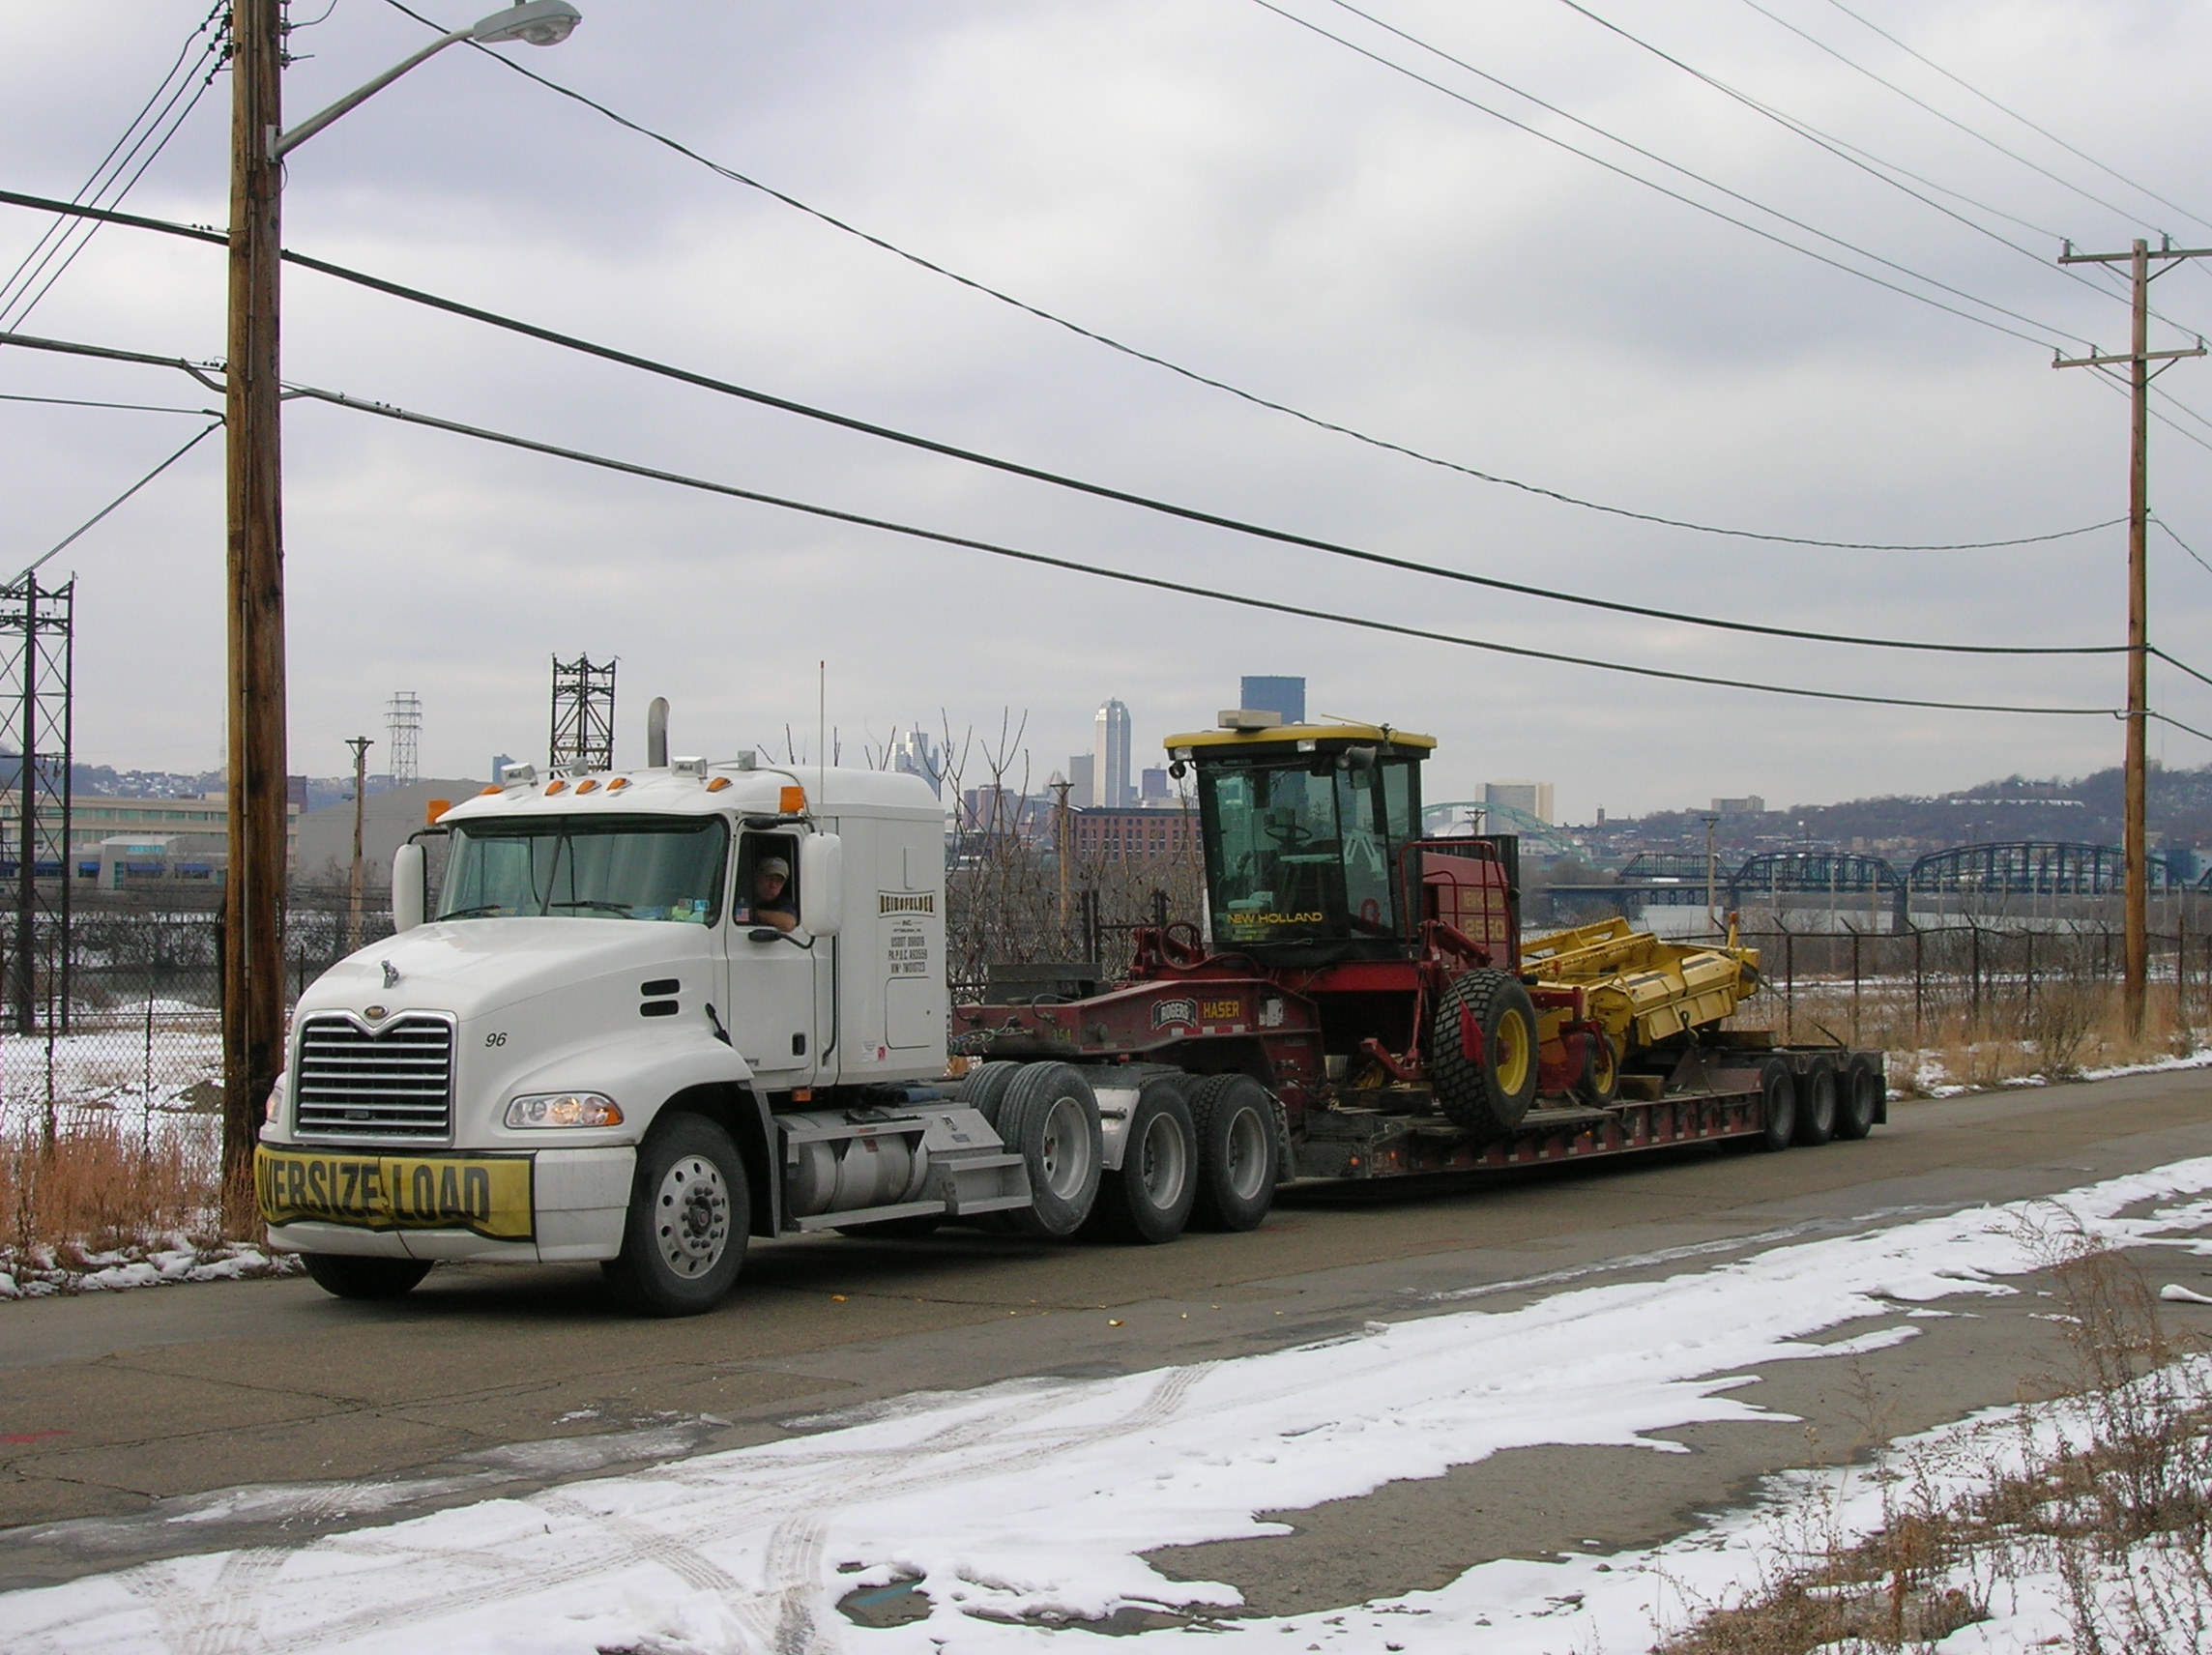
(655, 1013)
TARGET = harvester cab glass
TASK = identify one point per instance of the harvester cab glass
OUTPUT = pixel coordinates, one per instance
(1305, 828)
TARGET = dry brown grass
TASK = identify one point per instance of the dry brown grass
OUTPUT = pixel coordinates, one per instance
(2117, 1509)
(103, 1186)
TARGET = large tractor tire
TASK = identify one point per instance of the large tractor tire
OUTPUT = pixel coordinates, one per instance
(984, 1088)
(1239, 1152)
(1050, 1119)
(1482, 1053)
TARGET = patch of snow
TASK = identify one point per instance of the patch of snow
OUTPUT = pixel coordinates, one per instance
(1020, 1502)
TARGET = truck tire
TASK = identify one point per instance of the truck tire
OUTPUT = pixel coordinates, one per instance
(984, 1088)
(690, 1214)
(1858, 1098)
(1148, 1200)
(1233, 1121)
(1817, 1104)
(1778, 1105)
(1050, 1119)
(1600, 1083)
(1488, 1098)
(347, 1276)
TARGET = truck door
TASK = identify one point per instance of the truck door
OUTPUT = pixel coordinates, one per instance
(773, 969)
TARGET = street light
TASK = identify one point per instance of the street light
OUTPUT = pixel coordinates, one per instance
(253, 887)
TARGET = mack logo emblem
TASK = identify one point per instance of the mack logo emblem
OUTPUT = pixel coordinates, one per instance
(1170, 1012)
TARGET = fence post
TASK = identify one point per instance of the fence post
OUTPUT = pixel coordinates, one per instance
(2028, 937)
(146, 1096)
(1919, 980)
(1788, 986)
(1854, 985)
(1974, 997)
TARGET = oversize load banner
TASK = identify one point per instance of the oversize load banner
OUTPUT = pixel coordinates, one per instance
(490, 1195)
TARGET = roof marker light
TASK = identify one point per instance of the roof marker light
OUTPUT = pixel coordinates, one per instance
(587, 787)
(718, 784)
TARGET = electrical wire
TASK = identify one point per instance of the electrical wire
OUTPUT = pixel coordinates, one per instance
(1104, 491)
(2004, 109)
(2048, 331)
(88, 402)
(2182, 543)
(1137, 353)
(387, 411)
(83, 528)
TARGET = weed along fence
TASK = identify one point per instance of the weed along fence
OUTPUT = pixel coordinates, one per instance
(124, 1023)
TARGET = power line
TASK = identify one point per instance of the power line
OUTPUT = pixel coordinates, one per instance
(2004, 109)
(88, 402)
(81, 529)
(1156, 583)
(2179, 542)
(1691, 201)
(920, 261)
(1120, 496)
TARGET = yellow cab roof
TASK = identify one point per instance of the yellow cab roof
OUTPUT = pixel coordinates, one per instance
(1290, 735)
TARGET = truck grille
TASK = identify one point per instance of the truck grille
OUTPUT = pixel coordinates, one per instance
(394, 1086)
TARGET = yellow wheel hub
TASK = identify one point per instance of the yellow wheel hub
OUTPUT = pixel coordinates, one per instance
(1515, 1048)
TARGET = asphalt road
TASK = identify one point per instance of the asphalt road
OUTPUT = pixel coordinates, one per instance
(174, 1420)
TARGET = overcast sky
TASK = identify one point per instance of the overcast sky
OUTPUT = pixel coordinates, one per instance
(1218, 186)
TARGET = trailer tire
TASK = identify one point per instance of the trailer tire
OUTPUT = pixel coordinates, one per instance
(1778, 1104)
(1858, 1098)
(1050, 1119)
(1600, 1083)
(984, 1088)
(1148, 1200)
(1487, 1098)
(346, 1276)
(1817, 1104)
(690, 1210)
(1232, 1120)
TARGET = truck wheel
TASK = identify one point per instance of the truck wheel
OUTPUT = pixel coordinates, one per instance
(1778, 1102)
(1050, 1119)
(1489, 1097)
(1149, 1199)
(984, 1089)
(1600, 1082)
(1233, 1121)
(689, 1213)
(350, 1277)
(1817, 1104)
(1858, 1098)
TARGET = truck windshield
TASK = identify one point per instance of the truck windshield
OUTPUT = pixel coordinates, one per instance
(1298, 857)
(615, 868)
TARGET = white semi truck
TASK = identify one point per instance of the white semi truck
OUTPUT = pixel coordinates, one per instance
(604, 1046)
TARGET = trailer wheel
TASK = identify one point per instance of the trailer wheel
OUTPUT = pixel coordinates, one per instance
(1489, 1013)
(1817, 1104)
(1858, 1099)
(1600, 1082)
(1778, 1102)
(1234, 1122)
(1149, 1199)
(1050, 1119)
(984, 1088)
(689, 1213)
(350, 1277)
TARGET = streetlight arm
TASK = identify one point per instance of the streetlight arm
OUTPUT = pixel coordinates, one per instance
(279, 146)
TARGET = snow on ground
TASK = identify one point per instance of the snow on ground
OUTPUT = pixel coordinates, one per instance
(1024, 1502)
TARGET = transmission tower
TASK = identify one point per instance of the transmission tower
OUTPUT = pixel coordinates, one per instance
(404, 719)
(37, 631)
(583, 715)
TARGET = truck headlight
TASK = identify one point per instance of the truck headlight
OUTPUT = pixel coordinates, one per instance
(564, 1109)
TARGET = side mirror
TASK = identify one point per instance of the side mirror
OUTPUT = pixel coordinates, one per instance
(407, 888)
(822, 882)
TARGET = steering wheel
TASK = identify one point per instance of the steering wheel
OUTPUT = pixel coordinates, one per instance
(1289, 835)
(1181, 942)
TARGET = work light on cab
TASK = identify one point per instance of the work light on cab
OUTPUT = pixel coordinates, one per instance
(564, 1109)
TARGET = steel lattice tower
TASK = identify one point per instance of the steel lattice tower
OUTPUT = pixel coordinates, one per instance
(404, 718)
(583, 715)
(36, 636)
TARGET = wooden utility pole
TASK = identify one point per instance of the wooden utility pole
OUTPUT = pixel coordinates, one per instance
(2134, 967)
(1062, 850)
(253, 884)
(359, 746)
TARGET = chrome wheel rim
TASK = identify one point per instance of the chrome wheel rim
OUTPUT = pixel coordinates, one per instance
(692, 1216)
(1063, 1156)
(1163, 1162)
(1250, 1160)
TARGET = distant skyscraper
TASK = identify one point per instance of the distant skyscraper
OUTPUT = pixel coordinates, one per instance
(1081, 789)
(1531, 797)
(1284, 695)
(915, 754)
(1152, 786)
(1110, 776)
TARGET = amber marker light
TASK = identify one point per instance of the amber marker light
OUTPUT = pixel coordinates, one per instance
(718, 784)
(792, 802)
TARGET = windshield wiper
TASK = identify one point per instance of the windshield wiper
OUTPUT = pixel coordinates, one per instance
(592, 902)
(472, 913)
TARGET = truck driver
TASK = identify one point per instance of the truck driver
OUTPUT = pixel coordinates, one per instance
(772, 894)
